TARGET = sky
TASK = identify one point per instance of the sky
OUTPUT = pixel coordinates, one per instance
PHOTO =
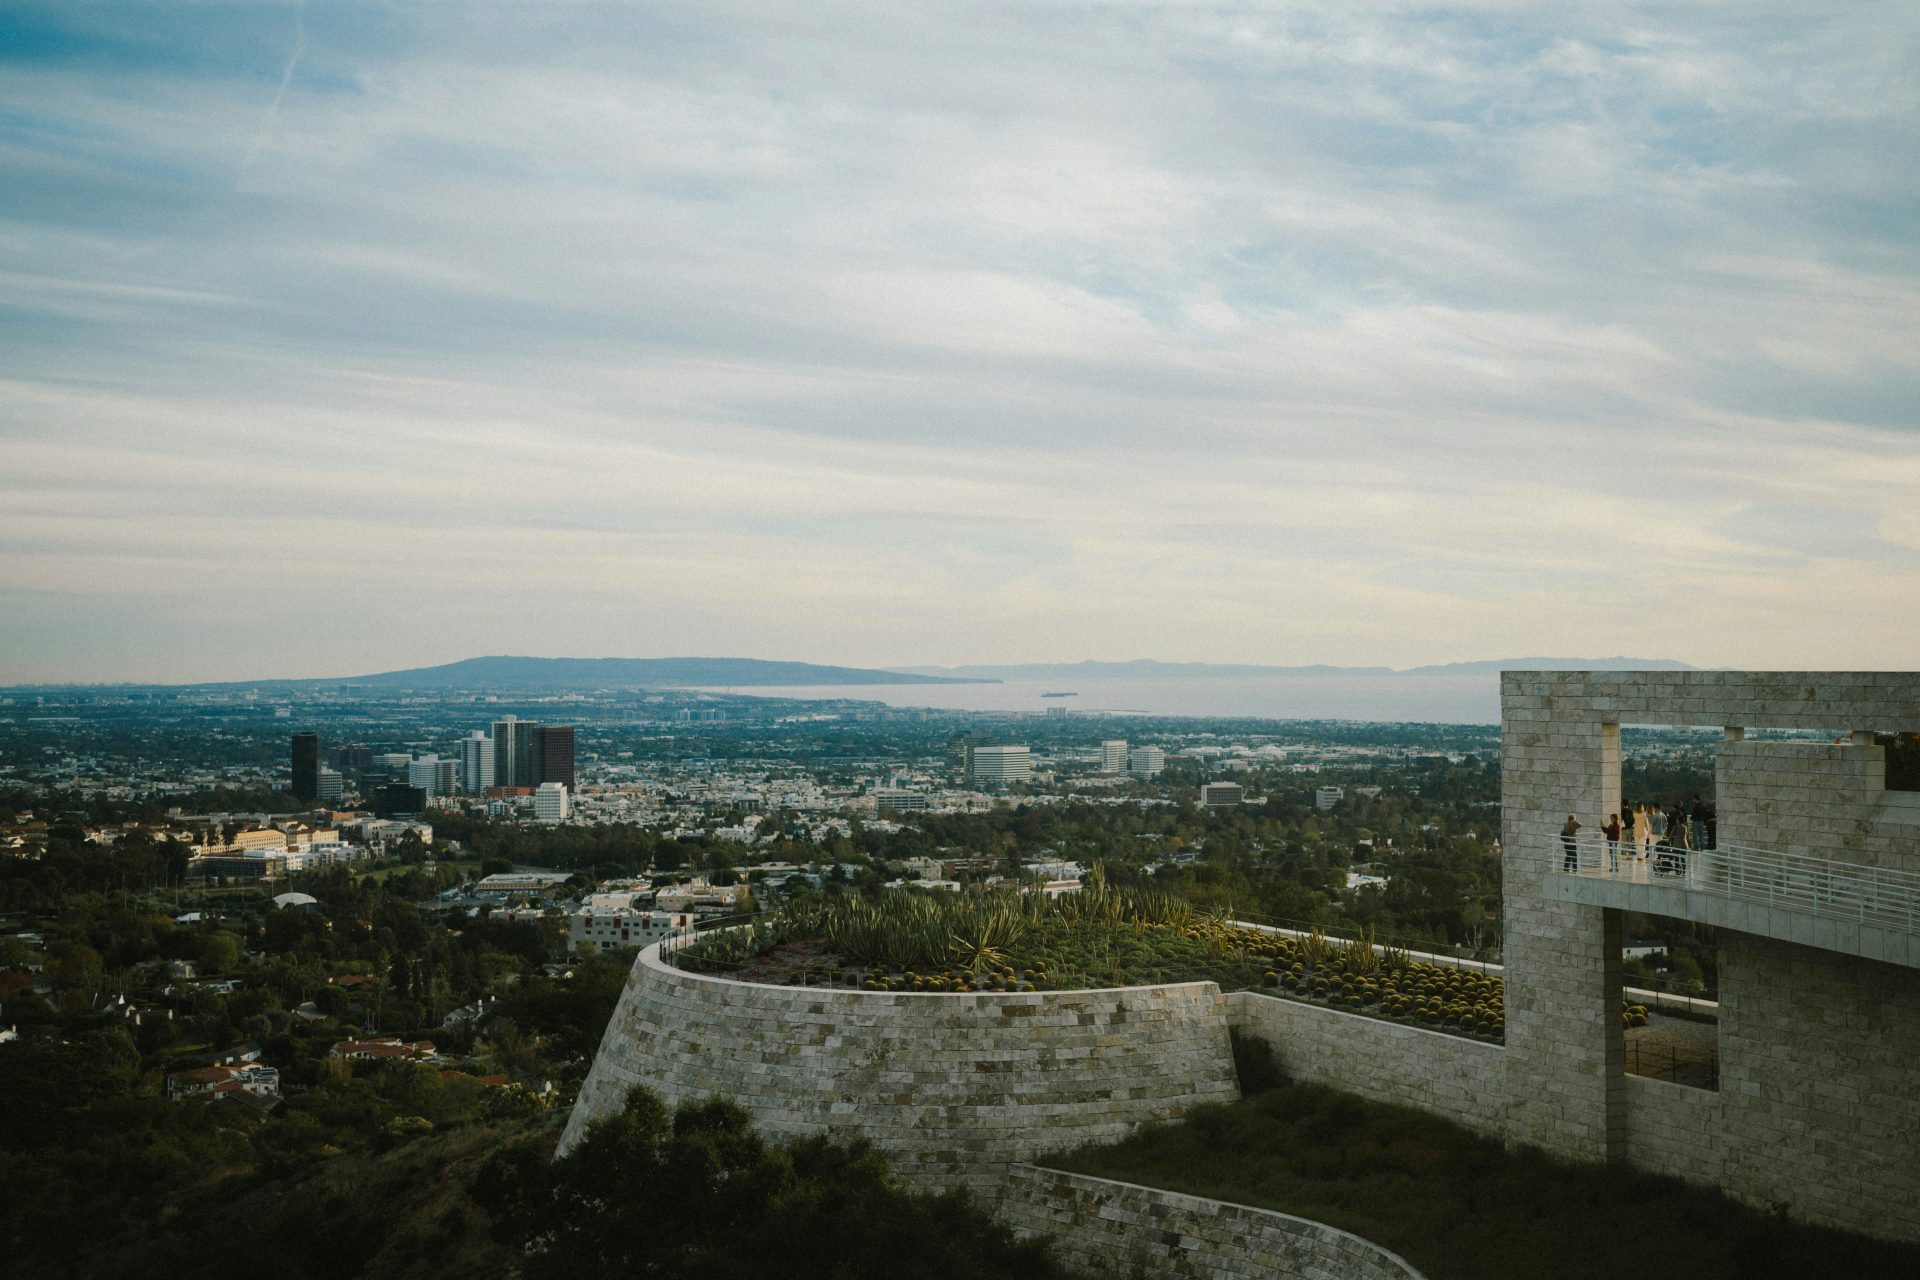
(337, 338)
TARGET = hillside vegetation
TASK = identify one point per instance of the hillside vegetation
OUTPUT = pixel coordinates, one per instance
(1460, 1207)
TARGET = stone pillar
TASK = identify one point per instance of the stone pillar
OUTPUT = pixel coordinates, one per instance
(1565, 1053)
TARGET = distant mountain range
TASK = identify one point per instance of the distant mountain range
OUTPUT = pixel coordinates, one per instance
(545, 674)
(1150, 669)
(549, 675)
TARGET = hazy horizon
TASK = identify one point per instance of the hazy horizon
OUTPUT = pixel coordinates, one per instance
(346, 338)
(1335, 670)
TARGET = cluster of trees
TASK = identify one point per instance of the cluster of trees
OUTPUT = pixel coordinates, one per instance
(721, 1200)
(71, 864)
(95, 1151)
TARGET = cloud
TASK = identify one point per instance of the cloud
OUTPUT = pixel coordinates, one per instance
(993, 332)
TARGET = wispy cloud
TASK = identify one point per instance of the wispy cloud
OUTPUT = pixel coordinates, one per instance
(989, 331)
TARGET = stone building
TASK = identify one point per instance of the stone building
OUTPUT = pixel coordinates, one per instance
(1814, 886)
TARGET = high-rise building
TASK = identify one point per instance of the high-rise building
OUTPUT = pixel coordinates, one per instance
(1113, 756)
(1001, 766)
(513, 752)
(550, 802)
(306, 766)
(353, 756)
(476, 762)
(1146, 762)
(332, 786)
(432, 775)
(553, 754)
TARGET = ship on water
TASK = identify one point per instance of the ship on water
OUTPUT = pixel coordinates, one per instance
(1067, 693)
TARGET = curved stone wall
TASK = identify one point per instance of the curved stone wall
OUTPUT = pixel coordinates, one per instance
(1119, 1228)
(950, 1087)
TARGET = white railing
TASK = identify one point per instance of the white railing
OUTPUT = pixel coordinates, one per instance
(1881, 897)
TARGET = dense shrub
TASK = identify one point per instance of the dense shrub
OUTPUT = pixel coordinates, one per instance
(1253, 1063)
(700, 1193)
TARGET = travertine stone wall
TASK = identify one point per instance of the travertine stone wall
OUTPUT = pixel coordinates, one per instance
(949, 1087)
(1817, 1108)
(1675, 1130)
(1884, 701)
(1823, 800)
(1819, 1104)
(1566, 1057)
(1123, 1230)
(1462, 1080)
(1820, 1084)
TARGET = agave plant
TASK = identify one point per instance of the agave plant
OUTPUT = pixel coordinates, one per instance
(1359, 955)
(982, 937)
(1315, 950)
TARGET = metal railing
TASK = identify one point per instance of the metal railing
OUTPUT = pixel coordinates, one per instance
(1340, 932)
(1881, 897)
(1696, 1065)
(680, 939)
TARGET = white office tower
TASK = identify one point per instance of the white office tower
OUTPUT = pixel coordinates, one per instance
(476, 762)
(1327, 797)
(550, 802)
(1001, 766)
(431, 774)
(332, 785)
(1113, 756)
(1146, 762)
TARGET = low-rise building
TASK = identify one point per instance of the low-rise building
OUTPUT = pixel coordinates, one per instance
(385, 1049)
(622, 920)
(698, 895)
(208, 1084)
(510, 884)
(896, 800)
(1222, 795)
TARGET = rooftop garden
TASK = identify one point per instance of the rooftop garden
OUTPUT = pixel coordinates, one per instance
(1460, 1207)
(1010, 940)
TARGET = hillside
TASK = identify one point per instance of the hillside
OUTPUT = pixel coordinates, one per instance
(1152, 669)
(549, 674)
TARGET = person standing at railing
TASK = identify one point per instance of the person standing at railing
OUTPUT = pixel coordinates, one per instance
(1611, 830)
(1698, 819)
(1570, 859)
(1643, 829)
(1673, 842)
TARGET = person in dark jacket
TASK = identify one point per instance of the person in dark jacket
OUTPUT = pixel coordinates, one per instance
(1611, 830)
(1570, 860)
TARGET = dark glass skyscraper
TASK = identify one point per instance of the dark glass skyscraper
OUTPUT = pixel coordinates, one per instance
(306, 766)
(553, 754)
(513, 755)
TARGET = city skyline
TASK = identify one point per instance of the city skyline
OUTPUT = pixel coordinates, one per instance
(341, 339)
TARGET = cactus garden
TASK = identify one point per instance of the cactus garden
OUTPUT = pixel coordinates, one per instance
(1011, 941)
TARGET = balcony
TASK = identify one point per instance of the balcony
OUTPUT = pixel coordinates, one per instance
(1839, 906)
